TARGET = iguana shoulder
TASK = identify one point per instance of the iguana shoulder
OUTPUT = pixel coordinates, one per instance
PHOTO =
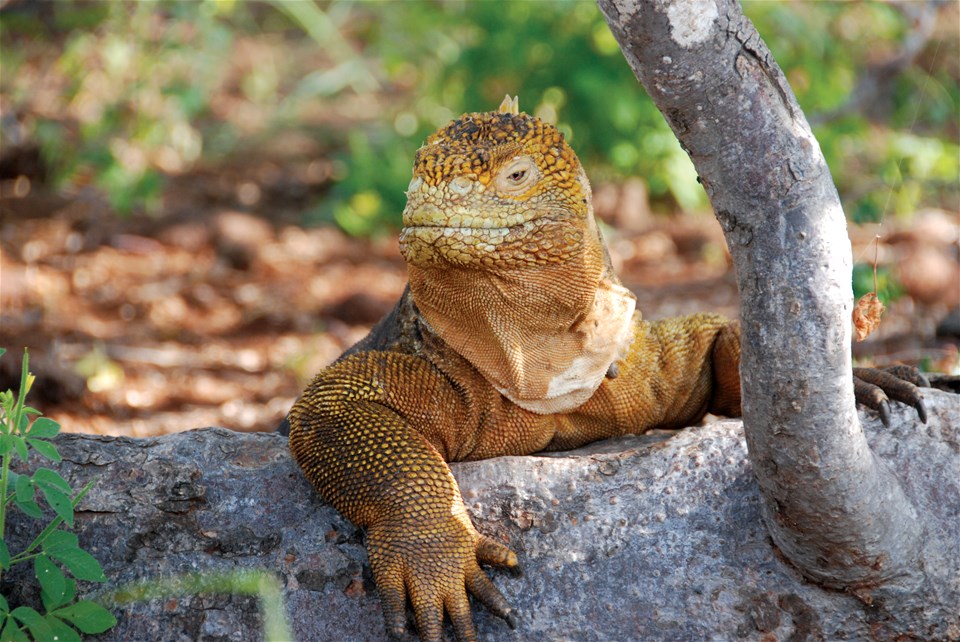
(400, 330)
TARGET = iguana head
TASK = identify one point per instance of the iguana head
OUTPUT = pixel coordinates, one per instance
(506, 263)
(499, 189)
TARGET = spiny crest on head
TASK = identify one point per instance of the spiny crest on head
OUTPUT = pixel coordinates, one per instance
(510, 105)
(474, 143)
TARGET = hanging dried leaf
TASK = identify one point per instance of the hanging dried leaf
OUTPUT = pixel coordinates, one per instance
(866, 315)
(869, 309)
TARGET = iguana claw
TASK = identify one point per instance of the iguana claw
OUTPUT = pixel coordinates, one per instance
(436, 566)
(874, 388)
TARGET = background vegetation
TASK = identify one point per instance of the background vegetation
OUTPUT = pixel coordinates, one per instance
(125, 95)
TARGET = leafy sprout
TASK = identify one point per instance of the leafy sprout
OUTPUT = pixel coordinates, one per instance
(58, 560)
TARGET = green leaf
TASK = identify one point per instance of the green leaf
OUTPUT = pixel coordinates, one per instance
(61, 631)
(59, 502)
(69, 595)
(52, 581)
(87, 616)
(60, 539)
(24, 488)
(80, 563)
(6, 444)
(35, 622)
(4, 607)
(29, 508)
(13, 633)
(51, 478)
(24, 497)
(69, 591)
(21, 447)
(4, 559)
(44, 427)
(24, 422)
(30, 410)
(3, 351)
(45, 448)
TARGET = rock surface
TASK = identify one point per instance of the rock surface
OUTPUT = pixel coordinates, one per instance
(630, 539)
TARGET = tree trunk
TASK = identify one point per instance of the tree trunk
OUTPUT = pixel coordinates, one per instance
(840, 515)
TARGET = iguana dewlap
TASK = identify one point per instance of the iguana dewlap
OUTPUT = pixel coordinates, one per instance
(513, 336)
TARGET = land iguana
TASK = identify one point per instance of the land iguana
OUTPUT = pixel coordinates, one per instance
(513, 336)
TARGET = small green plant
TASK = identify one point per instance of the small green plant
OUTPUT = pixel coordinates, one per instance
(54, 549)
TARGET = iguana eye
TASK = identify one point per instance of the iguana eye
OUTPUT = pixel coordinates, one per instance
(517, 176)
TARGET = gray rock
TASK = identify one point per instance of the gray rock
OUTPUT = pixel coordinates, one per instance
(630, 539)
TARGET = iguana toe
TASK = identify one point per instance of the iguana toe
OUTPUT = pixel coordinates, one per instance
(909, 373)
(393, 601)
(874, 388)
(481, 588)
(490, 551)
(458, 608)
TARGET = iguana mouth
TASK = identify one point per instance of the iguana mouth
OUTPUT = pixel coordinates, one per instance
(430, 216)
(436, 232)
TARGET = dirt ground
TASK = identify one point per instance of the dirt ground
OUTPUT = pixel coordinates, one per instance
(216, 313)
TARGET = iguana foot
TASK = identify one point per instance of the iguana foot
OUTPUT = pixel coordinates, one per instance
(875, 387)
(436, 564)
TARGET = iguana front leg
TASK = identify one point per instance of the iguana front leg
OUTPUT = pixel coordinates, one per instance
(356, 433)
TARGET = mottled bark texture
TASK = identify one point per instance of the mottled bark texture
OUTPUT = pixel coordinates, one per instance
(630, 539)
(833, 508)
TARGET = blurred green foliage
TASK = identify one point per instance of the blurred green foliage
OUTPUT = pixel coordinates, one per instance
(898, 151)
(123, 94)
(888, 287)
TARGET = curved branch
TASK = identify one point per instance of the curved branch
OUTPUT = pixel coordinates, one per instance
(835, 511)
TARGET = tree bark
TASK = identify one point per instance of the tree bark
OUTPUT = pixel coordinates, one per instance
(840, 515)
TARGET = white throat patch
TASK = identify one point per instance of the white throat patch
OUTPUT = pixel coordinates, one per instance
(604, 335)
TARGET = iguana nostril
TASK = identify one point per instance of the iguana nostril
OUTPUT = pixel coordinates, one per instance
(461, 185)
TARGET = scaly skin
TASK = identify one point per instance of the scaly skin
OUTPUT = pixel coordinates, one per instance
(514, 336)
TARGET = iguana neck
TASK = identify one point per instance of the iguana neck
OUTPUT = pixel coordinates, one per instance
(544, 336)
